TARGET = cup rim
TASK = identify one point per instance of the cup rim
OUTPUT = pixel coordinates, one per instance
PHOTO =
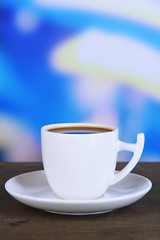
(45, 128)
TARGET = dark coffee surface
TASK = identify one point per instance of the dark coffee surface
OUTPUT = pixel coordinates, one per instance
(80, 130)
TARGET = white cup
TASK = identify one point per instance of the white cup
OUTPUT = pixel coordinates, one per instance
(82, 166)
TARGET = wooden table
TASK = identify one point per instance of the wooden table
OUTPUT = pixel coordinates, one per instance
(139, 221)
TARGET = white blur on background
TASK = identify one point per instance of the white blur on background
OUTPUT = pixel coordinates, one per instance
(26, 21)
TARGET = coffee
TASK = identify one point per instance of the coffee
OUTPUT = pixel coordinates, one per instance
(81, 166)
(80, 130)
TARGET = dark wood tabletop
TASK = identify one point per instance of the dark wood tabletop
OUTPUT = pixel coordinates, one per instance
(139, 221)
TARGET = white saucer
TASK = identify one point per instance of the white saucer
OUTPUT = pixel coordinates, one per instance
(33, 190)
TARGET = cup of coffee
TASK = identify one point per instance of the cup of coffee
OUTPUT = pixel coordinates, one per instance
(79, 159)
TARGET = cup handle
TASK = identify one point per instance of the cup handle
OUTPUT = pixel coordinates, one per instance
(137, 149)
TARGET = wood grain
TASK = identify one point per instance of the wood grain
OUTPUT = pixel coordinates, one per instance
(139, 221)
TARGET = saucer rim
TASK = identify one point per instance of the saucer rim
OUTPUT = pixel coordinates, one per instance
(75, 202)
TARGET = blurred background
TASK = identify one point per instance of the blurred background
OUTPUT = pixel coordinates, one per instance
(78, 61)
